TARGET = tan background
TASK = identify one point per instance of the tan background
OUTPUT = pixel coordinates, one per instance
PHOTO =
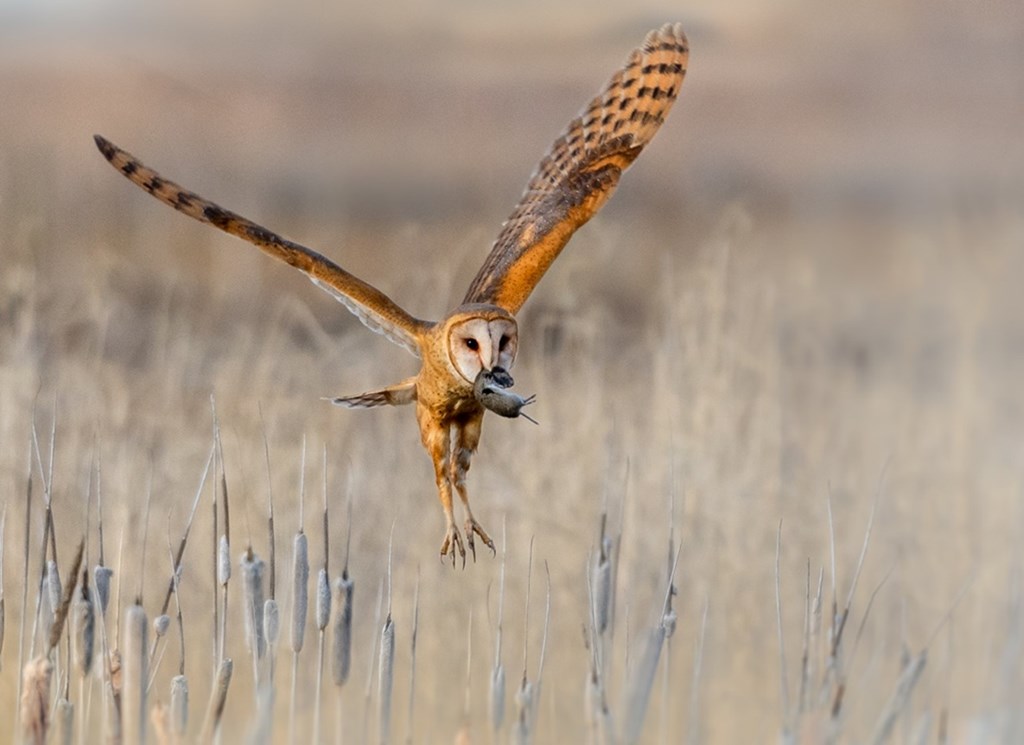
(813, 272)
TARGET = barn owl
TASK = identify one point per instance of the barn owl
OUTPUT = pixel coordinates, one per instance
(465, 356)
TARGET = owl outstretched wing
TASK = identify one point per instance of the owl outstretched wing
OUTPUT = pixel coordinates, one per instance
(582, 168)
(398, 394)
(375, 309)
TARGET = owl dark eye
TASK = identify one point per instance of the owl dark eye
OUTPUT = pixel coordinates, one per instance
(472, 344)
(503, 343)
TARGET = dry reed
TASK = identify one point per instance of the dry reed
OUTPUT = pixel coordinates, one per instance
(22, 626)
(3, 531)
(496, 699)
(386, 666)
(410, 718)
(218, 699)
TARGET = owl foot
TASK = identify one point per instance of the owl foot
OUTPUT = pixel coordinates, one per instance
(472, 526)
(453, 542)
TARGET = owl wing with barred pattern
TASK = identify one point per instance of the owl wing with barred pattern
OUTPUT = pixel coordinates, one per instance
(398, 394)
(582, 168)
(376, 310)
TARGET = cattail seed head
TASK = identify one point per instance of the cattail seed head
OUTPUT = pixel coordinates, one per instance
(223, 561)
(341, 659)
(271, 622)
(497, 702)
(179, 706)
(300, 590)
(524, 705)
(323, 600)
(159, 717)
(83, 631)
(668, 622)
(252, 588)
(387, 676)
(602, 592)
(135, 676)
(116, 670)
(101, 576)
(1, 629)
(35, 700)
(64, 722)
(53, 591)
(160, 625)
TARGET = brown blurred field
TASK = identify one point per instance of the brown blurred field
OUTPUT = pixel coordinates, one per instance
(809, 280)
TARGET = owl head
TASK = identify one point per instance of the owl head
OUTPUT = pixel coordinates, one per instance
(480, 338)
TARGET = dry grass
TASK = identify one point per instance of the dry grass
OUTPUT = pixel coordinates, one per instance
(811, 274)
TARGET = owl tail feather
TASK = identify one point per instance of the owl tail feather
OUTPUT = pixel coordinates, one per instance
(394, 395)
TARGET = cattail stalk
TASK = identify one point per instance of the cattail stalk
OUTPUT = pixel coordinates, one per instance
(386, 681)
(412, 655)
(341, 657)
(3, 530)
(323, 607)
(693, 725)
(497, 697)
(300, 592)
(524, 696)
(641, 680)
(323, 617)
(24, 578)
(372, 665)
(386, 673)
(42, 607)
(668, 622)
(176, 561)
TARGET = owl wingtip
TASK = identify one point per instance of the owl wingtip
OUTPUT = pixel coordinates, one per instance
(671, 33)
(106, 147)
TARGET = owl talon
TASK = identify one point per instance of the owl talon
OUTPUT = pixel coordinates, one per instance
(472, 526)
(453, 542)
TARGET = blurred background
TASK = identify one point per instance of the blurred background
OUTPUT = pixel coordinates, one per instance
(807, 289)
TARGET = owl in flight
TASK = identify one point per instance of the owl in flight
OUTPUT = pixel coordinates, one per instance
(467, 354)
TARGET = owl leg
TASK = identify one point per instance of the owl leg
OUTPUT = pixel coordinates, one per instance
(466, 440)
(437, 440)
